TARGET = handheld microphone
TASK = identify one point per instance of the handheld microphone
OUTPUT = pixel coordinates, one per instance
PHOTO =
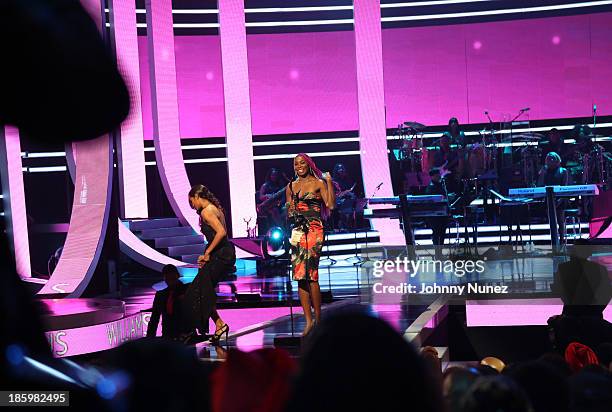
(526, 109)
(380, 184)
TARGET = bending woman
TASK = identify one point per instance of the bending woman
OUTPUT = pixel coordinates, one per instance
(310, 197)
(217, 261)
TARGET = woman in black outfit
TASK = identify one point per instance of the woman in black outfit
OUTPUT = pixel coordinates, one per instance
(217, 261)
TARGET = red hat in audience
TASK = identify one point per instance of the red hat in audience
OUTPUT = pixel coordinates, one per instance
(254, 381)
(578, 356)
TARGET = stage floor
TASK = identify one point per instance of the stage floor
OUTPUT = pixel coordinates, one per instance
(257, 307)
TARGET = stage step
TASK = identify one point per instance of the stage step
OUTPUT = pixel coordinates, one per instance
(190, 258)
(178, 241)
(139, 225)
(150, 234)
(177, 251)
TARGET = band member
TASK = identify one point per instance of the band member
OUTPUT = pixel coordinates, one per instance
(553, 174)
(344, 186)
(555, 144)
(217, 261)
(450, 163)
(437, 224)
(310, 198)
(455, 133)
(269, 205)
(582, 134)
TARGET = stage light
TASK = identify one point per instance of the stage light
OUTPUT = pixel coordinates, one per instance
(275, 243)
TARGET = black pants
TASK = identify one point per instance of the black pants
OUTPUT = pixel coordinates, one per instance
(200, 299)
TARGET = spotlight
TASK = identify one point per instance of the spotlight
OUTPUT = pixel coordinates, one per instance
(275, 243)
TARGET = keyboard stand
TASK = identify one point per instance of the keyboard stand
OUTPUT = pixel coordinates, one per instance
(407, 227)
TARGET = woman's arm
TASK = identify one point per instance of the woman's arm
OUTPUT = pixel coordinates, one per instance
(220, 232)
(289, 199)
(327, 191)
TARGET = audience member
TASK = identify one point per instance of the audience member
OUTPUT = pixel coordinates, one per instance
(495, 394)
(578, 356)
(254, 381)
(338, 374)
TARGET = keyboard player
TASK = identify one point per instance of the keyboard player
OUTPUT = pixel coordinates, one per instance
(437, 224)
(553, 174)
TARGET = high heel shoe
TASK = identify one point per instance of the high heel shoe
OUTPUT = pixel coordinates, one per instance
(214, 339)
(308, 329)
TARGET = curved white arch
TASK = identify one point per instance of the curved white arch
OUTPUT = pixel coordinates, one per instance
(164, 105)
(88, 220)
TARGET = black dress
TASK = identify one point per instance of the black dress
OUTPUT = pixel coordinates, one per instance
(200, 296)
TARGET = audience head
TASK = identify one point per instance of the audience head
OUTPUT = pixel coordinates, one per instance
(157, 374)
(338, 373)
(456, 381)
(590, 391)
(254, 381)
(494, 363)
(171, 275)
(495, 394)
(581, 249)
(604, 354)
(545, 385)
(578, 356)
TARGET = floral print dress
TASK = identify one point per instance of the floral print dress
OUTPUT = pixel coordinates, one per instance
(305, 255)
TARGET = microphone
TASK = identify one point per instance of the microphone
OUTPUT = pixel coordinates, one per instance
(594, 108)
(526, 109)
(378, 187)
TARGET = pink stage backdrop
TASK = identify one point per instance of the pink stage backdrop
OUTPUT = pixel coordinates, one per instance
(307, 82)
(303, 82)
(132, 176)
(199, 83)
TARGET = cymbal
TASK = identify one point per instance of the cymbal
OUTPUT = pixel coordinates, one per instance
(531, 136)
(415, 125)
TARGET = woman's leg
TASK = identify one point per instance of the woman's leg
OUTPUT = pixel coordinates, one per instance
(304, 293)
(217, 319)
(315, 295)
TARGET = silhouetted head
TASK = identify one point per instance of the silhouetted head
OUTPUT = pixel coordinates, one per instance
(455, 383)
(340, 373)
(554, 135)
(273, 175)
(339, 171)
(453, 126)
(494, 394)
(171, 275)
(545, 385)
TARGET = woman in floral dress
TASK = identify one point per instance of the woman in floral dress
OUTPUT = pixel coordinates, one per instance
(310, 198)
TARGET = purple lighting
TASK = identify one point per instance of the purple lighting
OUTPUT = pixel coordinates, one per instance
(477, 45)
(556, 40)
